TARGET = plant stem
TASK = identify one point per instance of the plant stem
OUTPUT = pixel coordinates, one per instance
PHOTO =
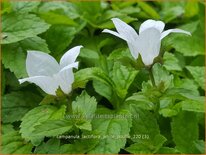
(151, 77)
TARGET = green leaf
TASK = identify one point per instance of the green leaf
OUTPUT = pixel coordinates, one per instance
(60, 7)
(200, 145)
(17, 26)
(51, 128)
(171, 11)
(65, 36)
(34, 43)
(7, 128)
(195, 106)
(85, 107)
(14, 60)
(143, 123)
(191, 9)
(162, 77)
(14, 108)
(185, 122)
(186, 84)
(12, 143)
(84, 75)
(168, 150)
(24, 7)
(198, 74)
(80, 146)
(171, 63)
(147, 148)
(111, 128)
(185, 44)
(150, 11)
(123, 78)
(37, 116)
(54, 18)
(52, 146)
(144, 132)
(141, 101)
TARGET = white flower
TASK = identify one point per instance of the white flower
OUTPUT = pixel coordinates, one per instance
(148, 42)
(45, 72)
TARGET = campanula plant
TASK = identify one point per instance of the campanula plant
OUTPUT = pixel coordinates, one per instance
(110, 97)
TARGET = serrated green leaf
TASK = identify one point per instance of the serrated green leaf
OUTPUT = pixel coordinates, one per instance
(185, 122)
(111, 128)
(147, 147)
(18, 26)
(65, 36)
(171, 63)
(34, 117)
(61, 7)
(162, 77)
(168, 150)
(12, 143)
(80, 146)
(14, 60)
(51, 128)
(85, 107)
(52, 146)
(123, 78)
(34, 43)
(199, 75)
(141, 101)
(24, 7)
(14, 108)
(84, 75)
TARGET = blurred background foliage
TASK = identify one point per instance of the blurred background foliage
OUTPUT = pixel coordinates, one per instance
(54, 27)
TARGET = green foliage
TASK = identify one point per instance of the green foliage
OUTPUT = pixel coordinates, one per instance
(113, 108)
(38, 116)
(14, 144)
(84, 107)
(185, 122)
(113, 130)
(17, 26)
(14, 108)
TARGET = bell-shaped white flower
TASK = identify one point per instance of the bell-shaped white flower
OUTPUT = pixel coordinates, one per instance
(148, 42)
(44, 71)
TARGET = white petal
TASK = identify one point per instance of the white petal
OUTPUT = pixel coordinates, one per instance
(41, 64)
(114, 33)
(46, 83)
(149, 45)
(125, 30)
(133, 50)
(159, 25)
(66, 77)
(70, 56)
(165, 33)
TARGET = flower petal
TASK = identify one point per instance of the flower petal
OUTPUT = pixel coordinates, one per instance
(70, 56)
(133, 49)
(149, 45)
(167, 32)
(66, 77)
(46, 83)
(125, 30)
(159, 25)
(41, 64)
(114, 33)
